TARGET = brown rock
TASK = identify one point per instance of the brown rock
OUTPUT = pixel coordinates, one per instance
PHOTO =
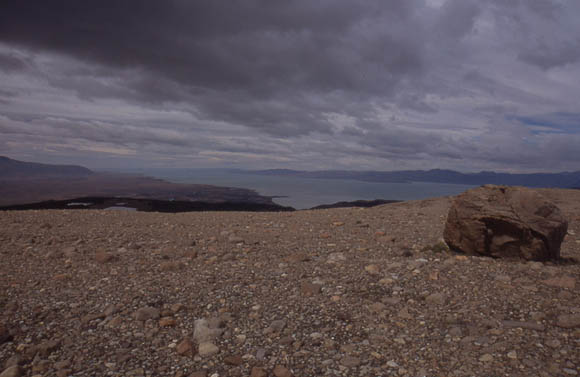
(104, 257)
(11, 372)
(310, 289)
(48, 347)
(167, 322)
(569, 321)
(258, 372)
(561, 282)
(435, 299)
(171, 266)
(280, 371)
(523, 325)
(508, 222)
(233, 360)
(350, 361)
(201, 373)
(146, 313)
(185, 347)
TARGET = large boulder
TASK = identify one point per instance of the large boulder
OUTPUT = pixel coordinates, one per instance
(505, 222)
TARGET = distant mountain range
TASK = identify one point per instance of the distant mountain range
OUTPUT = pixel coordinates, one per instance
(555, 180)
(26, 182)
(10, 168)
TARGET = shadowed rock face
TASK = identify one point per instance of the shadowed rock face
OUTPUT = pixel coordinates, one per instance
(505, 222)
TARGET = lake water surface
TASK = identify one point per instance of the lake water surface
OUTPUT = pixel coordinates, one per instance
(302, 193)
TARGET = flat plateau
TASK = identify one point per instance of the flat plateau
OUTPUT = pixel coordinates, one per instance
(339, 292)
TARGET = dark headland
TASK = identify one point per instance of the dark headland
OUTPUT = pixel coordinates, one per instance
(26, 185)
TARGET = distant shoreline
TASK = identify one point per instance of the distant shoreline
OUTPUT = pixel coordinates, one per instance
(177, 206)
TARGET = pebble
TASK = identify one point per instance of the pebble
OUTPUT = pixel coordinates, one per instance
(280, 371)
(233, 360)
(103, 257)
(258, 372)
(207, 349)
(310, 289)
(185, 347)
(392, 364)
(146, 313)
(486, 358)
(436, 299)
(261, 354)
(350, 361)
(206, 330)
(13, 371)
(167, 322)
(561, 282)
(569, 321)
(373, 269)
(336, 258)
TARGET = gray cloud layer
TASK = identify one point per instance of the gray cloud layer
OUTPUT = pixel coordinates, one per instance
(307, 84)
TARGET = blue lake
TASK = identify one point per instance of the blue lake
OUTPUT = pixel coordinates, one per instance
(302, 193)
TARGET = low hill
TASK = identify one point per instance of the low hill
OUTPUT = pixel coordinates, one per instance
(10, 169)
(31, 183)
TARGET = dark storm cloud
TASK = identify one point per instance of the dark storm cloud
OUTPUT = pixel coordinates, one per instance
(229, 58)
(358, 83)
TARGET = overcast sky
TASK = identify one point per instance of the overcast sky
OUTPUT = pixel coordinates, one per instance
(326, 84)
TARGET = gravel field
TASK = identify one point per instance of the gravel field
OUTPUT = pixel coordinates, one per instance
(340, 292)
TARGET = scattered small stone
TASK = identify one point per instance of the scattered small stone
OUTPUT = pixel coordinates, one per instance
(258, 372)
(486, 358)
(561, 282)
(147, 312)
(13, 371)
(171, 266)
(512, 355)
(207, 349)
(167, 322)
(280, 371)
(373, 269)
(185, 347)
(235, 239)
(233, 360)
(104, 257)
(350, 361)
(206, 330)
(523, 325)
(310, 289)
(455, 331)
(569, 321)
(261, 354)
(436, 299)
(336, 257)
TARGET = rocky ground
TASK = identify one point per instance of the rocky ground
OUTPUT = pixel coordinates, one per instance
(341, 292)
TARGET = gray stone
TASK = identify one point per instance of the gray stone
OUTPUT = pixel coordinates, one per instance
(207, 349)
(206, 330)
(146, 313)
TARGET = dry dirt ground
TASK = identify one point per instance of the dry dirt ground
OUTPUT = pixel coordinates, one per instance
(341, 292)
